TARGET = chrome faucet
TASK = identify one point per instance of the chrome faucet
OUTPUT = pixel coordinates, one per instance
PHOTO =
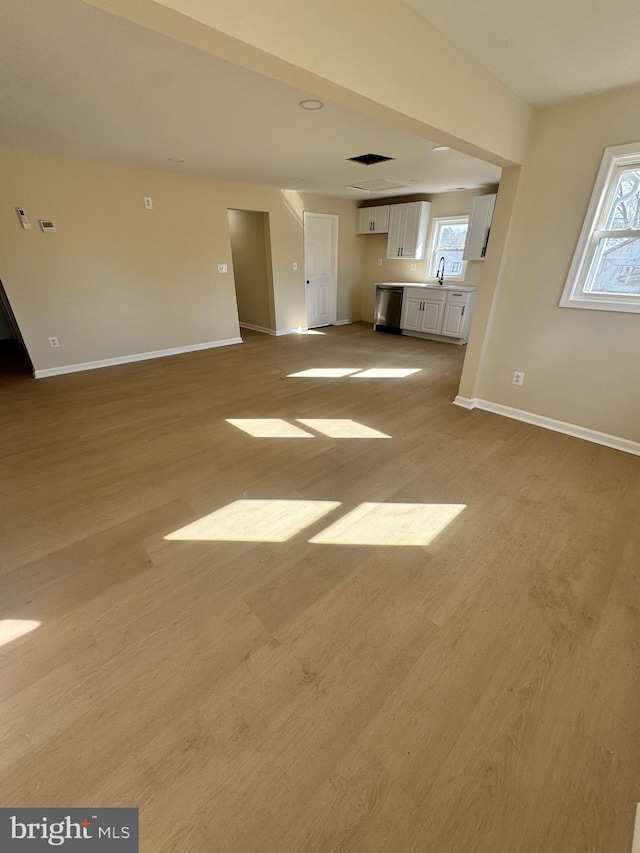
(440, 272)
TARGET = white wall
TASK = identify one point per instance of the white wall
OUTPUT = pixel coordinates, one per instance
(117, 279)
(581, 366)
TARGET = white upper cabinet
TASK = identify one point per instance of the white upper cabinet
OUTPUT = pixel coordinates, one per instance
(373, 220)
(482, 207)
(408, 224)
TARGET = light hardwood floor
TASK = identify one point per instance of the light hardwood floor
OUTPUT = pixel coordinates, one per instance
(477, 694)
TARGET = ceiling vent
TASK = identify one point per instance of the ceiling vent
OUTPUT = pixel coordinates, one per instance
(369, 159)
(377, 186)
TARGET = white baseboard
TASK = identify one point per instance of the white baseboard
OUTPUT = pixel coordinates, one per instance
(126, 359)
(253, 328)
(465, 402)
(303, 329)
(624, 444)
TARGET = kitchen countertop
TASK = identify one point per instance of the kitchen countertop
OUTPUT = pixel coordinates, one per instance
(429, 285)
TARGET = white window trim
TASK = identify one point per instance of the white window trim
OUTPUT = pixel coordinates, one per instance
(432, 248)
(574, 295)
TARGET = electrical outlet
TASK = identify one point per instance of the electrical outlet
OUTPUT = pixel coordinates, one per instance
(518, 377)
(412, 267)
(223, 268)
(54, 342)
(379, 262)
(148, 203)
(295, 265)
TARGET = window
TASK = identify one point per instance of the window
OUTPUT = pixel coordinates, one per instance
(447, 242)
(605, 273)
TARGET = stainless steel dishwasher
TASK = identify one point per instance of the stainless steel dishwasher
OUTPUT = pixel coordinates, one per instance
(388, 308)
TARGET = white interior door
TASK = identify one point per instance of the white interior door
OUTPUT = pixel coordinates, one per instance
(321, 267)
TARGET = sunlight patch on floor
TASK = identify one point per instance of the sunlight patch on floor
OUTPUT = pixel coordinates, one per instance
(390, 524)
(325, 372)
(11, 629)
(341, 428)
(269, 428)
(255, 521)
(386, 373)
(301, 331)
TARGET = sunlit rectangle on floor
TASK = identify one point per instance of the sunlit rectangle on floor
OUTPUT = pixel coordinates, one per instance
(11, 629)
(341, 428)
(269, 428)
(390, 524)
(386, 372)
(326, 372)
(255, 521)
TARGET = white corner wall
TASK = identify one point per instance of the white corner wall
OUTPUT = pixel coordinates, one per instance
(581, 367)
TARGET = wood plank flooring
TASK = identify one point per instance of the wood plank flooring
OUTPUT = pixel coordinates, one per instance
(480, 692)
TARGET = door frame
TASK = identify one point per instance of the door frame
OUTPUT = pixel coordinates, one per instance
(333, 293)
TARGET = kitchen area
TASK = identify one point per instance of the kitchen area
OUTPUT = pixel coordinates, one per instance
(423, 262)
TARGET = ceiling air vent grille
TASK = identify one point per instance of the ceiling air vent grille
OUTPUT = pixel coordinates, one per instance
(369, 159)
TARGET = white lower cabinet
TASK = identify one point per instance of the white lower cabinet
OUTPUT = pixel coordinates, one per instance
(439, 313)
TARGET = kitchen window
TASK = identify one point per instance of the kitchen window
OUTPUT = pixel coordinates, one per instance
(447, 241)
(605, 273)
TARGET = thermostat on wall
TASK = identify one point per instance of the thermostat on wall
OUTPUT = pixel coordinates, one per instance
(23, 218)
(47, 225)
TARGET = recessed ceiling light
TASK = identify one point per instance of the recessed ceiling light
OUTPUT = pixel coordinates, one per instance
(311, 104)
(175, 159)
(441, 148)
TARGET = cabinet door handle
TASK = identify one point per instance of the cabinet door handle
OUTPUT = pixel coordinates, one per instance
(463, 307)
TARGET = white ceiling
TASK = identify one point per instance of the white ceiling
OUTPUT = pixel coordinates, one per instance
(79, 82)
(545, 50)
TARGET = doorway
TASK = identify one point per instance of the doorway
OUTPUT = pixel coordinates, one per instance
(14, 359)
(250, 238)
(321, 268)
